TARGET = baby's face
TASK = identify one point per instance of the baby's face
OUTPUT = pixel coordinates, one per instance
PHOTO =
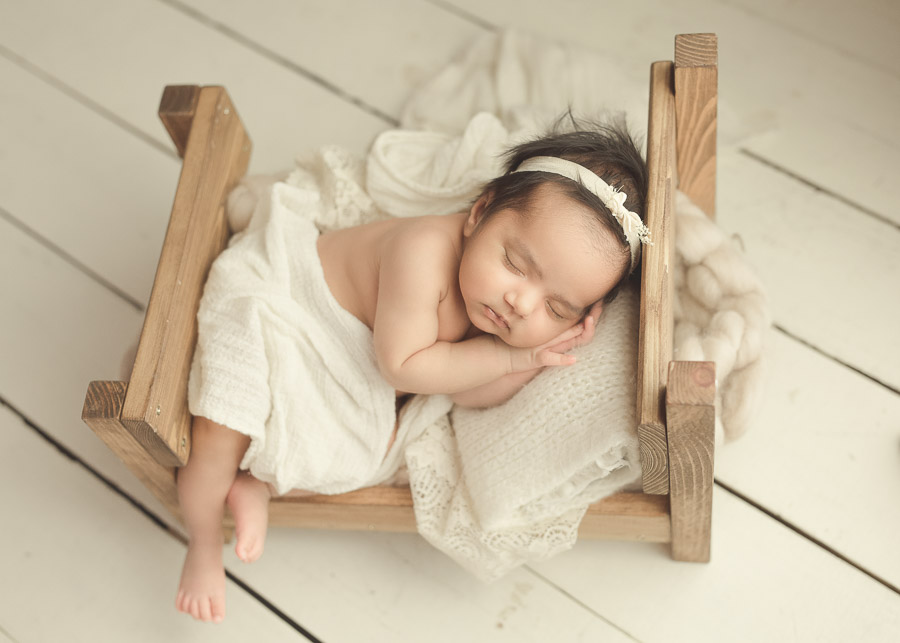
(527, 276)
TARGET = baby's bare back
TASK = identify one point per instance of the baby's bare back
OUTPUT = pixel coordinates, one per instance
(351, 261)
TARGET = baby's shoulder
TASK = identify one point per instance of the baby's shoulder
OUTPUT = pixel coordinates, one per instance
(432, 239)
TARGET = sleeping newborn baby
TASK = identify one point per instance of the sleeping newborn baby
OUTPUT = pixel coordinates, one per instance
(472, 305)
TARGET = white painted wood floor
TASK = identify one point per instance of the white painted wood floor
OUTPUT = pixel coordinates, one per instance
(807, 504)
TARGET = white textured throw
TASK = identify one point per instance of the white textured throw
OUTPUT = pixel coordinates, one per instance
(499, 487)
(279, 360)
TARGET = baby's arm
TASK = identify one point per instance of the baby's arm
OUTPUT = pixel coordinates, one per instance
(496, 392)
(413, 279)
(501, 390)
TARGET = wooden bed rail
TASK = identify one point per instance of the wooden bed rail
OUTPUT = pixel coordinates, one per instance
(209, 135)
(655, 329)
(681, 151)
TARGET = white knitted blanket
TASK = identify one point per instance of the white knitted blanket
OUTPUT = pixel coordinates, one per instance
(498, 487)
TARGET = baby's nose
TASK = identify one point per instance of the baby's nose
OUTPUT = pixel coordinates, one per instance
(520, 303)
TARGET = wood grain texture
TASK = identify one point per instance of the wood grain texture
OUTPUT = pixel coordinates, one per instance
(103, 404)
(217, 153)
(690, 408)
(322, 512)
(176, 110)
(656, 321)
(696, 100)
(622, 516)
(628, 516)
(696, 50)
(369, 509)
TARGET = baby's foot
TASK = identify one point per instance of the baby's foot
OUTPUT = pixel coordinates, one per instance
(201, 592)
(248, 500)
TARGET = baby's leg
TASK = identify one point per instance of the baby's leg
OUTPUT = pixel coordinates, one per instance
(216, 452)
(248, 500)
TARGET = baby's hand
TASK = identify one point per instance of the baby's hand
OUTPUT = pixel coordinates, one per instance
(550, 354)
(583, 339)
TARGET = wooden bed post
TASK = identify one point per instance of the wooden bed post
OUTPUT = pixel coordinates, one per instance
(691, 414)
(177, 108)
(690, 397)
(696, 101)
(102, 412)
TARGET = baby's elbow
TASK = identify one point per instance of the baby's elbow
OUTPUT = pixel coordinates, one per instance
(412, 373)
(397, 371)
(392, 372)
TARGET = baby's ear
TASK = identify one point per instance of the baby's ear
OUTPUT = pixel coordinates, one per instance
(476, 212)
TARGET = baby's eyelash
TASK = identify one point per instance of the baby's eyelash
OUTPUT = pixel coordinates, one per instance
(555, 314)
(511, 265)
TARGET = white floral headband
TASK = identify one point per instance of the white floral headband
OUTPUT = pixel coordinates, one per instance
(635, 231)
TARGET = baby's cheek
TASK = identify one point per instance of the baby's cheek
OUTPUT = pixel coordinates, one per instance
(550, 331)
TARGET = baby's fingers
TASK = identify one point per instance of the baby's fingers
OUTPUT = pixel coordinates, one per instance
(567, 335)
(590, 325)
(550, 358)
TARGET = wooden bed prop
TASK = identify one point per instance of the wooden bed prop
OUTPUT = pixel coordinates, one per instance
(145, 421)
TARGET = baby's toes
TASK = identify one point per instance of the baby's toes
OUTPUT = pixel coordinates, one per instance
(250, 549)
(205, 610)
(217, 605)
(250, 543)
(255, 552)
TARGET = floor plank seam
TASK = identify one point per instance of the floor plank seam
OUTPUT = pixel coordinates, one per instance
(579, 602)
(6, 633)
(85, 101)
(71, 455)
(800, 532)
(836, 359)
(69, 259)
(278, 59)
(818, 188)
(271, 607)
(462, 13)
(802, 35)
(112, 486)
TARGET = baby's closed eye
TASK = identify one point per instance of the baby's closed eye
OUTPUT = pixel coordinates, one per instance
(509, 264)
(554, 313)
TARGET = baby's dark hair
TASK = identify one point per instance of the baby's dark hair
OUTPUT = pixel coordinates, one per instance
(607, 149)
